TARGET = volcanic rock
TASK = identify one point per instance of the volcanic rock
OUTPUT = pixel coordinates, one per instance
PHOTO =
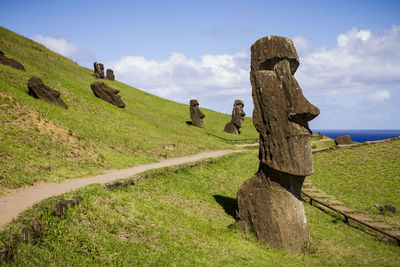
(10, 62)
(195, 114)
(269, 203)
(343, 140)
(107, 94)
(237, 118)
(110, 75)
(98, 70)
(37, 89)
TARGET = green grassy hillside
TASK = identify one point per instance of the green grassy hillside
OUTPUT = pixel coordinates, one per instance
(362, 176)
(43, 142)
(180, 219)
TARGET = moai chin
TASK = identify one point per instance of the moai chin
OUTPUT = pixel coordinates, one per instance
(269, 203)
(195, 114)
(237, 118)
(110, 75)
(98, 70)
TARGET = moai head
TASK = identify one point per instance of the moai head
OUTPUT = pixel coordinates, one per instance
(281, 112)
(238, 113)
(195, 114)
(98, 70)
(110, 75)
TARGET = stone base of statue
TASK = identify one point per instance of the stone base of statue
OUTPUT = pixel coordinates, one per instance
(230, 127)
(269, 205)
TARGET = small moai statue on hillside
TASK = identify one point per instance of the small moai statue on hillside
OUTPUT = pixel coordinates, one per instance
(101, 90)
(110, 75)
(237, 118)
(10, 62)
(98, 70)
(269, 203)
(37, 89)
(195, 114)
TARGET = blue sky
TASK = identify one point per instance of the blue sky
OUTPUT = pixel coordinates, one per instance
(349, 50)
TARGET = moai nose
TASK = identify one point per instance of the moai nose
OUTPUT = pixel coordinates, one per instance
(303, 112)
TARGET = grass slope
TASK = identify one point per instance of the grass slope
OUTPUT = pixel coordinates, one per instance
(43, 142)
(362, 176)
(182, 219)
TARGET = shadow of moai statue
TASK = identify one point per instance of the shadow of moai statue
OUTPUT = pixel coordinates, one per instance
(237, 118)
(195, 114)
(98, 70)
(110, 75)
(269, 203)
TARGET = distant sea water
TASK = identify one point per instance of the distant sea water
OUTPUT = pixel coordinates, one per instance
(360, 135)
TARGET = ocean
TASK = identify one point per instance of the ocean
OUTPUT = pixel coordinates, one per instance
(360, 135)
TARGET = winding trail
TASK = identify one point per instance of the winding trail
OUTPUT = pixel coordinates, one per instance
(11, 205)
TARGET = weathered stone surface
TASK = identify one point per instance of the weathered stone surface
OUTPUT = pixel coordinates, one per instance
(343, 140)
(269, 203)
(10, 62)
(37, 89)
(98, 70)
(237, 118)
(107, 94)
(195, 114)
(110, 75)
(390, 208)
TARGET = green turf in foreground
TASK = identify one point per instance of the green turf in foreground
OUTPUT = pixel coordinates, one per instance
(362, 176)
(185, 219)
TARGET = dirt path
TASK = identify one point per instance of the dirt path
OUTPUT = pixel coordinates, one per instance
(11, 205)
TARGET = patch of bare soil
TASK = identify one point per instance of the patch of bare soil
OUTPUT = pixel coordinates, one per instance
(28, 120)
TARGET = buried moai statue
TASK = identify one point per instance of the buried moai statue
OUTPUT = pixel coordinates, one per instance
(195, 114)
(10, 62)
(101, 90)
(269, 203)
(38, 89)
(237, 118)
(110, 75)
(98, 70)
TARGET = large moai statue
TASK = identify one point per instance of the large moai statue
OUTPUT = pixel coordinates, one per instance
(269, 203)
(237, 118)
(195, 114)
(98, 70)
(110, 75)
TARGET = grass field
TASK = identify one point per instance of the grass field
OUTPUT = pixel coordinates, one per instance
(46, 143)
(170, 218)
(184, 218)
(362, 176)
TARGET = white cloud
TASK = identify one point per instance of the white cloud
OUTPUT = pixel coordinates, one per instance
(180, 78)
(346, 80)
(353, 36)
(379, 96)
(64, 48)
